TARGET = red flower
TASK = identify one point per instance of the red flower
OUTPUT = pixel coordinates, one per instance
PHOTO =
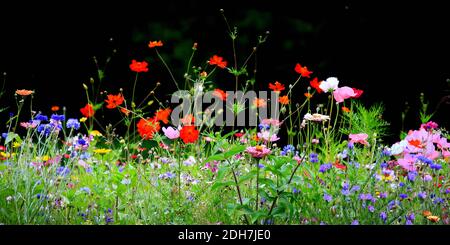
(284, 100)
(415, 143)
(114, 101)
(340, 166)
(125, 111)
(188, 119)
(358, 92)
(220, 94)
(189, 134)
(315, 84)
(277, 87)
(217, 60)
(147, 127)
(88, 110)
(302, 70)
(239, 134)
(139, 66)
(153, 44)
(163, 115)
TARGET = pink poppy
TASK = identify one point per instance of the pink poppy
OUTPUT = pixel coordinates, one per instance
(359, 138)
(342, 93)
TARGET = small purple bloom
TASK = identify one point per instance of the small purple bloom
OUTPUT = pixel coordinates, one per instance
(73, 123)
(435, 166)
(325, 167)
(327, 197)
(383, 195)
(355, 188)
(412, 176)
(403, 196)
(422, 195)
(383, 216)
(371, 209)
(350, 145)
(57, 117)
(313, 157)
(383, 165)
(355, 222)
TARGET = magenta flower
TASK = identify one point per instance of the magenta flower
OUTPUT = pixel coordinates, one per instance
(340, 94)
(359, 138)
(258, 151)
(171, 133)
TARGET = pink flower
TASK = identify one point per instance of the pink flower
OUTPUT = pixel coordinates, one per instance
(258, 151)
(340, 94)
(407, 162)
(271, 121)
(268, 136)
(171, 133)
(359, 138)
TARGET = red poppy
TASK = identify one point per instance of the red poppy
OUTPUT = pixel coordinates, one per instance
(87, 111)
(217, 60)
(358, 92)
(114, 101)
(163, 115)
(284, 100)
(189, 134)
(239, 134)
(277, 87)
(139, 66)
(302, 70)
(153, 44)
(220, 94)
(147, 127)
(315, 84)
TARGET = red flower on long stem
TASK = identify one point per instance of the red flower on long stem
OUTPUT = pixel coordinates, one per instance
(163, 115)
(277, 87)
(217, 60)
(358, 92)
(114, 101)
(87, 111)
(315, 84)
(139, 66)
(147, 127)
(153, 44)
(220, 94)
(302, 70)
(189, 134)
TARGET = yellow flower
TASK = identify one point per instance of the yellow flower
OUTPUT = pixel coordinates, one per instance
(5, 154)
(433, 219)
(95, 133)
(45, 158)
(83, 119)
(102, 151)
(16, 145)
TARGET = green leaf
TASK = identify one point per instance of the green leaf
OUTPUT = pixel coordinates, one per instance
(11, 136)
(223, 156)
(221, 184)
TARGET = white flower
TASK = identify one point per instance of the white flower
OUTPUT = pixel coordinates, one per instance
(398, 147)
(329, 85)
(316, 117)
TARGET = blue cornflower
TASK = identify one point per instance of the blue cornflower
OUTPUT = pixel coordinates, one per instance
(73, 123)
(383, 194)
(422, 195)
(4, 135)
(355, 188)
(57, 117)
(327, 197)
(383, 165)
(313, 157)
(63, 171)
(408, 222)
(355, 222)
(383, 216)
(364, 197)
(350, 145)
(386, 152)
(263, 126)
(45, 129)
(412, 176)
(438, 200)
(410, 216)
(447, 191)
(403, 195)
(425, 160)
(401, 184)
(435, 166)
(345, 192)
(81, 141)
(288, 149)
(324, 167)
(41, 117)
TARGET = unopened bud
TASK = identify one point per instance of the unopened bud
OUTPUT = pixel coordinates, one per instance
(92, 80)
(85, 86)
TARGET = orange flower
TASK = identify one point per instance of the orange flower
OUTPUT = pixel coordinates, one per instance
(24, 92)
(259, 103)
(220, 94)
(217, 60)
(125, 111)
(139, 66)
(203, 74)
(345, 109)
(114, 100)
(163, 115)
(415, 143)
(153, 44)
(315, 84)
(308, 95)
(189, 134)
(147, 127)
(433, 219)
(55, 108)
(87, 111)
(302, 70)
(277, 87)
(426, 213)
(284, 100)
(188, 120)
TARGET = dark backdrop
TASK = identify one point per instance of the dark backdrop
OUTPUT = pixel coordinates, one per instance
(391, 51)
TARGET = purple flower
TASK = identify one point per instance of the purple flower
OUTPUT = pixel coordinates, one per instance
(86, 189)
(345, 192)
(355, 222)
(295, 190)
(425, 160)
(57, 117)
(412, 176)
(41, 117)
(350, 145)
(313, 157)
(383, 216)
(383, 195)
(401, 184)
(410, 216)
(422, 195)
(63, 171)
(435, 166)
(324, 167)
(288, 149)
(73, 123)
(383, 165)
(408, 222)
(260, 165)
(371, 209)
(386, 152)
(403, 196)
(355, 188)
(427, 178)
(364, 197)
(327, 197)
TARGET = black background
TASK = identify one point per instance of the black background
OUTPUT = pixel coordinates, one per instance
(391, 51)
